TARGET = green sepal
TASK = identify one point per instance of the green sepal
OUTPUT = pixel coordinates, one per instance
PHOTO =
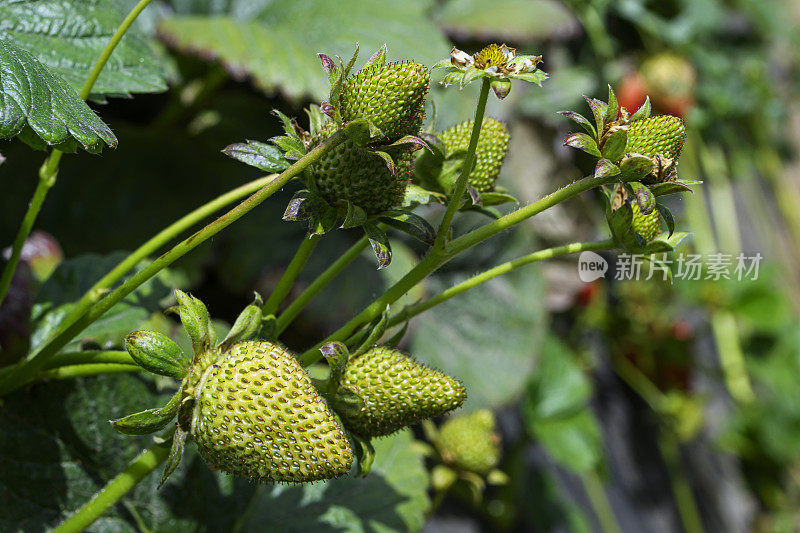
(619, 222)
(614, 147)
(378, 59)
(269, 328)
(347, 402)
(442, 478)
(643, 112)
(157, 353)
(410, 223)
(666, 214)
(497, 198)
(360, 131)
(605, 169)
(613, 107)
(148, 421)
(246, 326)
(584, 142)
(263, 156)
(322, 218)
(337, 355)
(416, 195)
(376, 330)
(379, 243)
(581, 121)
(175, 454)
(387, 159)
(599, 109)
(299, 206)
(663, 243)
(635, 167)
(196, 322)
(351, 214)
(316, 119)
(395, 339)
(642, 195)
(672, 187)
(365, 454)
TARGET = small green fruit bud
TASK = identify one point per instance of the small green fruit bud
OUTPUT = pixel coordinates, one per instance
(470, 442)
(157, 353)
(648, 226)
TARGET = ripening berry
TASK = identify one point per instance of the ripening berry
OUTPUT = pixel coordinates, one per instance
(663, 135)
(648, 226)
(470, 442)
(257, 415)
(350, 172)
(391, 96)
(489, 154)
(398, 391)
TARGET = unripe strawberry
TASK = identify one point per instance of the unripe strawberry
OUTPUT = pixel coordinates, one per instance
(391, 96)
(648, 226)
(470, 442)
(663, 134)
(350, 172)
(670, 81)
(257, 415)
(489, 155)
(398, 391)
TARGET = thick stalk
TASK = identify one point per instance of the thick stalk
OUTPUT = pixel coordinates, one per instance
(85, 370)
(469, 159)
(23, 371)
(286, 282)
(300, 303)
(599, 502)
(49, 171)
(437, 258)
(90, 357)
(164, 236)
(115, 489)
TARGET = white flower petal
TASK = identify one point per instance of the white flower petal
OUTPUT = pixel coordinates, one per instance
(460, 59)
(509, 53)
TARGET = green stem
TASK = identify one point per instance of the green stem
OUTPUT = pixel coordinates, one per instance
(731, 356)
(167, 234)
(95, 356)
(294, 308)
(437, 258)
(461, 183)
(286, 282)
(599, 502)
(115, 489)
(85, 370)
(23, 371)
(49, 171)
(684, 499)
(46, 180)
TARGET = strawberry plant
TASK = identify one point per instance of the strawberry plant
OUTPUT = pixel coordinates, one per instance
(335, 343)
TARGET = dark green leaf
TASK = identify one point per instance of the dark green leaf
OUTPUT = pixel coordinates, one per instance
(67, 38)
(666, 214)
(416, 195)
(496, 198)
(265, 157)
(410, 223)
(620, 223)
(605, 168)
(580, 120)
(599, 109)
(353, 215)
(32, 96)
(643, 112)
(175, 454)
(149, 421)
(614, 147)
(634, 168)
(300, 206)
(256, 44)
(672, 187)
(613, 107)
(642, 196)
(337, 355)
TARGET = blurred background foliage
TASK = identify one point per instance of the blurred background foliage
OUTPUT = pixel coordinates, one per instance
(622, 405)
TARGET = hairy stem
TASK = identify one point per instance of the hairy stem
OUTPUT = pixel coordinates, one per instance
(49, 171)
(115, 489)
(461, 183)
(300, 303)
(23, 371)
(286, 282)
(437, 258)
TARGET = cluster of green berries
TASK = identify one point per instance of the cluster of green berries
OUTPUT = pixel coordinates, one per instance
(391, 98)
(253, 411)
(489, 154)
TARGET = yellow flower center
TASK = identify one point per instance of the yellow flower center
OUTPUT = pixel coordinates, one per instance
(491, 56)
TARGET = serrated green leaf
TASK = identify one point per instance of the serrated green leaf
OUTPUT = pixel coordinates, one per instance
(32, 96)
(277, 44)
(67, 38)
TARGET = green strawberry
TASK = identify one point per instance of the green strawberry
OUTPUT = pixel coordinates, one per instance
(489, 155)
(350, 172)
(391, 96)
(398, 391)
(663, 135)
(648, 226)
(256, 414)
(470, 442)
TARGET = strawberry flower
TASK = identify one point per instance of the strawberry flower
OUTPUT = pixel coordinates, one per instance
(500, 64)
